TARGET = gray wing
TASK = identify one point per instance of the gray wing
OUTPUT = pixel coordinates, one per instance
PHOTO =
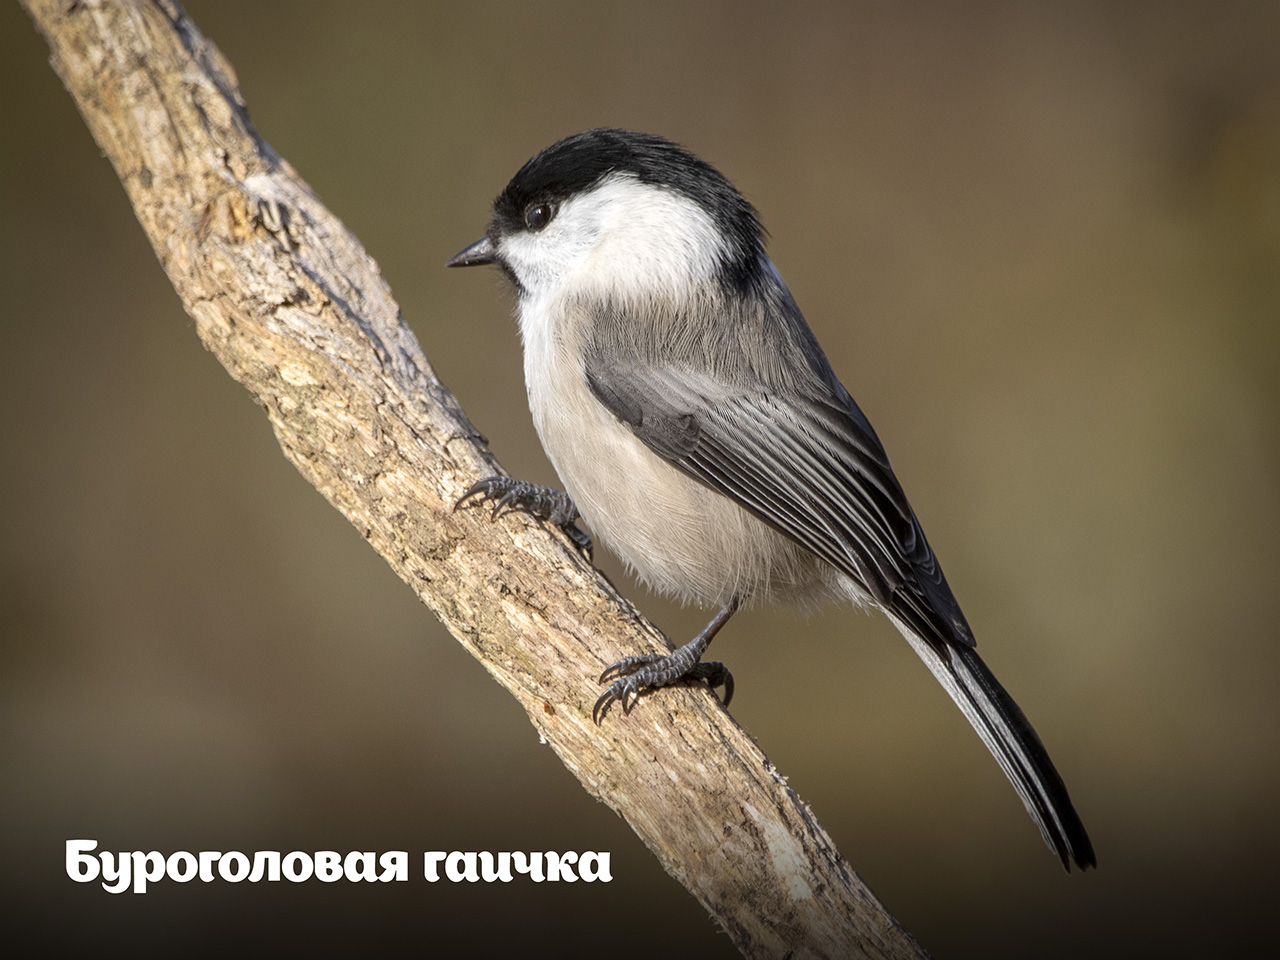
(811, 467)
(809, 464)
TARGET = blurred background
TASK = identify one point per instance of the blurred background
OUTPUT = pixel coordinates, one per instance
(1041, 244)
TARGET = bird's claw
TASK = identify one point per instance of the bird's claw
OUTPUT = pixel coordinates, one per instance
(629, 665)
(510, 495)
(634, 676)
(581, 539)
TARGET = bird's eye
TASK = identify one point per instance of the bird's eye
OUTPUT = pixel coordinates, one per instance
(538, 215)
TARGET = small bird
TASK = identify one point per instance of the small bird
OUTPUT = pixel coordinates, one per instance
(701, 433)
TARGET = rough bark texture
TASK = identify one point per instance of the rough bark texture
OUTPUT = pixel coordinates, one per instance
(298, 313)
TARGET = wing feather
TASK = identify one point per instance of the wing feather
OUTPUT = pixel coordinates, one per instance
(811, 467)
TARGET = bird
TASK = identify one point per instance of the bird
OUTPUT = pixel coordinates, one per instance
(700, 432)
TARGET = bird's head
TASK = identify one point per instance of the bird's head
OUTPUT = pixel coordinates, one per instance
(623, 215)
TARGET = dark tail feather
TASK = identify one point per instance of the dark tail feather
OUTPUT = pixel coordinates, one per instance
(1009, 736)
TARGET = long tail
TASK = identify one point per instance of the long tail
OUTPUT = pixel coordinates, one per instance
(1009, 736)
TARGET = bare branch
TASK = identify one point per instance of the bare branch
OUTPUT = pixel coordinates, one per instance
(298, 313)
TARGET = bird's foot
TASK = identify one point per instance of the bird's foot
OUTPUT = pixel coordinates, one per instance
(632, 676)
(520, 496)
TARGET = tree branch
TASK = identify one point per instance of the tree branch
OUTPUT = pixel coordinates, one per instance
(298, 313)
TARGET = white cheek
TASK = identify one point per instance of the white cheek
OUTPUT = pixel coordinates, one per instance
(654, 241)
(542, 261)
(623, 240)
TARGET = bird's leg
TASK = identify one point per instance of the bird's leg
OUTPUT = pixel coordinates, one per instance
(521, 496)
(631, 676)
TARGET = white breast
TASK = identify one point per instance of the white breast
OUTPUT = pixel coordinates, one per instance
(680, 537)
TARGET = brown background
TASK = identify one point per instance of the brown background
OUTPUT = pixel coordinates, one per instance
(1041, 244)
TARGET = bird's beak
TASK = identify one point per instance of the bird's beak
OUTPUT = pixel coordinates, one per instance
(478, 254)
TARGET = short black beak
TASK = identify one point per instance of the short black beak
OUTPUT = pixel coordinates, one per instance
(478, 254)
